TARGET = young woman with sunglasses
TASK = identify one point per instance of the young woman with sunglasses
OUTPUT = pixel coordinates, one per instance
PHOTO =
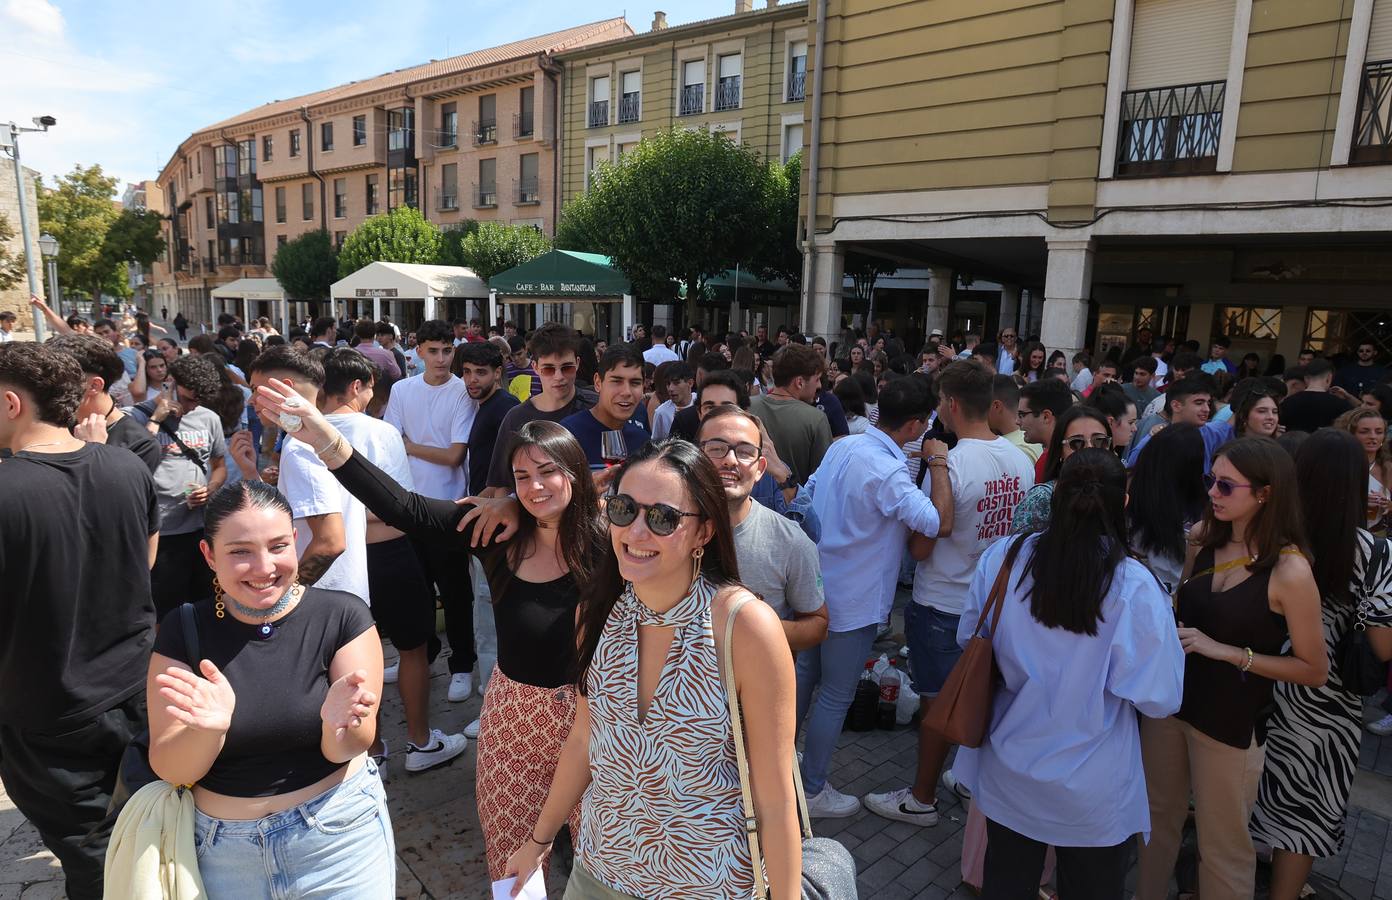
(1312, 737)
(652, 751)
(1248, 590)
(534, 581)
(1368, 426)
(1111, 400)
(1166, 497)
(1077, 428)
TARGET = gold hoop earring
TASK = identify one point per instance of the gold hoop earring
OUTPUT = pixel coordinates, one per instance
(219, 609)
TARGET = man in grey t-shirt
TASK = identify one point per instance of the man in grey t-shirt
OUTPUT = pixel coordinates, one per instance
(776, 560)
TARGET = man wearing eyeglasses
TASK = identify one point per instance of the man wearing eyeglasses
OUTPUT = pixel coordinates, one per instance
(776, 560)
(555, 354)
(1008, 353)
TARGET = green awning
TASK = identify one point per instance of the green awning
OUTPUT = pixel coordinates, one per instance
(752, 291)
(567, 274)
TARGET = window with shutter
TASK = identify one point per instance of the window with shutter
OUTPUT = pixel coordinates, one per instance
(1372, 136)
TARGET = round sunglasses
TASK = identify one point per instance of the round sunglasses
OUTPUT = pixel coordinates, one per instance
(661, 519)
(1078, 442)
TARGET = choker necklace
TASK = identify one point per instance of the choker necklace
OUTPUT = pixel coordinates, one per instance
(266, 629)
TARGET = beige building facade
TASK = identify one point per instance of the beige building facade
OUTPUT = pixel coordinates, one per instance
(1195, 166)
(16, 299)
(469, 137)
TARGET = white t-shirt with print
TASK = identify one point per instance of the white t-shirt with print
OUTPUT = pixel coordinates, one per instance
(436, 416)
(989, 479)
(312, 490)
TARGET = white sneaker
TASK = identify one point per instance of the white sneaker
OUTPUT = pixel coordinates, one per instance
(471, 730)
(1381, 726)
(831, 804)
(461, 687)
(904, 651)
(952, 784)
(443, 748)
(391, 673)
(901, 806)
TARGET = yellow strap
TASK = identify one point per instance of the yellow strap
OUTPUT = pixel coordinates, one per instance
(1235, 563)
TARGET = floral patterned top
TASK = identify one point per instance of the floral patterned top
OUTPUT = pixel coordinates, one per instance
(1032, 514)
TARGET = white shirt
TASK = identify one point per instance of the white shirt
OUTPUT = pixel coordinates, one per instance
(379, 442)
(658, 354)
(1082, 380)
(311, 490)
(413, 362)
(1005, 363)
(663, 416)
(989, 479)
(436, 416)
(6, 336)
(867, 503)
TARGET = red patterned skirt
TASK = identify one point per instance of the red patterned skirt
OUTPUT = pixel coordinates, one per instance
(521, 733)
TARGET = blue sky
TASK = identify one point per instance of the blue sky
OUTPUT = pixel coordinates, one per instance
(128, 82)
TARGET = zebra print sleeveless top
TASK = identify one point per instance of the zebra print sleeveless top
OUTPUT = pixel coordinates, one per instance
(661, 818)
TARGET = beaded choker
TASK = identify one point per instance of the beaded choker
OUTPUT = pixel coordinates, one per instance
(265, 629)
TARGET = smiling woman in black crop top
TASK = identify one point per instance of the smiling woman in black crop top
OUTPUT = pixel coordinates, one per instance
(271, 720)
(534, 577)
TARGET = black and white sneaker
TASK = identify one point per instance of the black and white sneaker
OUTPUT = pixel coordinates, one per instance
(901, 806)
(442, 748)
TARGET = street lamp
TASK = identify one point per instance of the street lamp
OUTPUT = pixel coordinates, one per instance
(48, 246)
(11, 133)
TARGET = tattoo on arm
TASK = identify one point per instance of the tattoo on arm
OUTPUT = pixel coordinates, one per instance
(312, 568)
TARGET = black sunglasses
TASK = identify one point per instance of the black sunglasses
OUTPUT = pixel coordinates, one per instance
(1224, 486)
(661, 519)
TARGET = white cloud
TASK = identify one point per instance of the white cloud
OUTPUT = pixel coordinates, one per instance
(39, 17)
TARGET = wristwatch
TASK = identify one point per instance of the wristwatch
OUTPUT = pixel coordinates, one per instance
(789, 482)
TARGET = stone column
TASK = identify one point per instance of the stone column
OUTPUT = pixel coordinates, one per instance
(1067, 292)
(939, 294)
(1009, 308)
(823, 315)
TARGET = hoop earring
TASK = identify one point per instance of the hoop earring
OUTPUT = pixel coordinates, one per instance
(219, 609)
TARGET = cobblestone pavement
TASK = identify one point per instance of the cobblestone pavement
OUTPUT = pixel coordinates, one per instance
(440, 847)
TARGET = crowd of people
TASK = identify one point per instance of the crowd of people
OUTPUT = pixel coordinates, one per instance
(209, 541)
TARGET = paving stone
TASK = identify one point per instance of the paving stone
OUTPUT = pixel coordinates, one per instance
(1358, 888)
(873, 848)
(919, 874)
(873, 879)
(915, 847)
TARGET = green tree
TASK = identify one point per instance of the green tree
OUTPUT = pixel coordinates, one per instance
(134, 237)
(452, 242)
(680, 208)
(78, 211)
(402, 235)
(779, 255)
(494, 247)
(307, 266)
(11, 264)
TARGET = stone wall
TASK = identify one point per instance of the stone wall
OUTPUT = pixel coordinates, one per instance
(17, 297)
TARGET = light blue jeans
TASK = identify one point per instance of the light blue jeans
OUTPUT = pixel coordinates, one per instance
(338, 845)
(836, 664)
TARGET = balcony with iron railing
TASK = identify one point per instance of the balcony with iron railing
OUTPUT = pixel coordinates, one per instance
(485, 196)
(1372, 138)
(446, 198)
(1171, 130)
(523, 126)
(630, 108)
(727, 93)
(797, 86)
(485, 132)
(446, 139)
(692, 101)
(598, 115)
(526, 191)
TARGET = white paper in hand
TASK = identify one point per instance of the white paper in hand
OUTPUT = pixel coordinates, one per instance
(534, 889)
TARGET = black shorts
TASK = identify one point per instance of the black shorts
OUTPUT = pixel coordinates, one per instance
(403, 603)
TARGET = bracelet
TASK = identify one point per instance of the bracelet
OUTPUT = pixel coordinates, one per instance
(542, 843)
(1247, 664)
(331, 447)
(930, 459)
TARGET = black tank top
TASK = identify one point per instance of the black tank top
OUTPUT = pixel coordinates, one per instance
(1219, 700)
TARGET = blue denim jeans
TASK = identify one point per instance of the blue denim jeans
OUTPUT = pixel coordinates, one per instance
(933, 647)
(338, 845)
(836, 664)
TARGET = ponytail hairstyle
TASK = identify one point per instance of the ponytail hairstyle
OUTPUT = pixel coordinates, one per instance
(1075, 558)
(233, 498)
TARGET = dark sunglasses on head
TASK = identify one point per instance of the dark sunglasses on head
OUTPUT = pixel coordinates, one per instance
(1224, 486)
(717, 449)
(1078, 442)
(661, 519)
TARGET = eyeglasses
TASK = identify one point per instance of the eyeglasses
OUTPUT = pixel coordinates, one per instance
(549, 371)
(1224, 486)
(717, 449)
(1078, 442)
(661, 519)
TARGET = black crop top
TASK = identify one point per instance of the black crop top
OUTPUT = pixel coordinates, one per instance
(280, 681)
(536, 621)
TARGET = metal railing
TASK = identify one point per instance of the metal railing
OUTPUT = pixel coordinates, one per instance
(485, 133)
(727, 93)
(526, 191)
(797, 85)
(523, 126)
(630, 107)
(446, 139)
(1171, 130)
(693, 100)
(485, 196)
(1372, 139)
(446, 199)
(598, 114)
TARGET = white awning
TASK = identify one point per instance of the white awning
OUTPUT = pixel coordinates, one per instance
(409, 281)
(251, 289)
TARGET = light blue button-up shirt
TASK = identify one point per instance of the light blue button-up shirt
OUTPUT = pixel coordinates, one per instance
(1061, 762)
(867, 504)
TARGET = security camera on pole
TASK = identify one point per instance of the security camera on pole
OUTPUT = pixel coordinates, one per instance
(11, 146)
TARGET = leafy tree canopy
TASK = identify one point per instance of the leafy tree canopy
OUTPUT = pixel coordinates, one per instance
(494, 247)
(307, 266)
(11, 264)
(402, 235)
(79, 211)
